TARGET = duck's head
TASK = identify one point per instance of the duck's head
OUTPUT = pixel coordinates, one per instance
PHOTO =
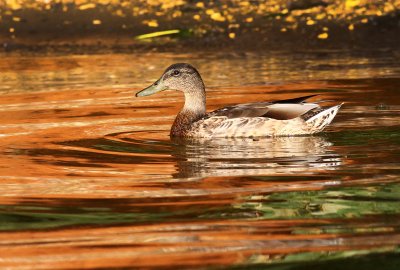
(181, 76)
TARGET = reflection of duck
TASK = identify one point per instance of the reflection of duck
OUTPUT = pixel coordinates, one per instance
(202, 157)
(278, 118)
(245, 156)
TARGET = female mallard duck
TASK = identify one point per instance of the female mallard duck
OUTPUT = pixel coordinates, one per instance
(277, 118)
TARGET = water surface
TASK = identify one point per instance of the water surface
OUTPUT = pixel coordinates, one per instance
(90, 178)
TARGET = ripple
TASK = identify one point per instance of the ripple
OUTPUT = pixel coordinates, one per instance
(89, 173)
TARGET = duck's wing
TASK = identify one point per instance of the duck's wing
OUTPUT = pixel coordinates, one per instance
(280, 110)
(294, 100)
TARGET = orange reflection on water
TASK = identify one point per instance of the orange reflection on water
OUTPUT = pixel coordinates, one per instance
(187, 244)
(90, 178)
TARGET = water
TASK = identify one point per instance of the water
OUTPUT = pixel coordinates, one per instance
(90, 178)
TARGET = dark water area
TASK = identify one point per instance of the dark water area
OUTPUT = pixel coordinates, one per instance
(90, 178)
(154, 24)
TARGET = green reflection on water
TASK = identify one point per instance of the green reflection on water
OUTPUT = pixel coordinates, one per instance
(351, 138)
(14, 218)
(386, 258)
(346, 202)
(20, 218)
(340, 204)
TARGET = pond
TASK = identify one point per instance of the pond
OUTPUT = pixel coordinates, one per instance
(90, 178)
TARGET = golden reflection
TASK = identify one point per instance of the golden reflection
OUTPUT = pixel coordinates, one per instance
(190, 244)
(261, 156)
(90, 178)
(47, 73)
(56, 111)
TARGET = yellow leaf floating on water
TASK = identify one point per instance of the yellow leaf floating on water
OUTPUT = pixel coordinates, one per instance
(217, 17)
(158, 34)
(209, 11)
(176, 14)
(352, 3)
(310, 22)
(14, 4)
(104, 2)
(196, 17)
(351, 27)
(96, 22)
(365, 20)
(229, 17)
(388, 7)
(152, 23)
(87, 6)
(153, 2)
(232, 35)
(200, 4)
(323, 35)
(249, 19)
(290, 19)
(119, 13)
(168, 4)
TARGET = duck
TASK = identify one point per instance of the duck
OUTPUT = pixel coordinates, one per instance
(289, 117)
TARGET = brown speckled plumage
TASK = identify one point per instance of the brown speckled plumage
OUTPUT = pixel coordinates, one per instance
(183, 123)
(289, 117)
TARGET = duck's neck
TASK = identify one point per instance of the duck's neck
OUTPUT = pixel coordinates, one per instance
(192, 111)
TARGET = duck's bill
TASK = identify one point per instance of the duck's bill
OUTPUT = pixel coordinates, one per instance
(152, 89)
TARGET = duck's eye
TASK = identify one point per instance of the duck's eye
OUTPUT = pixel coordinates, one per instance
(176, 72)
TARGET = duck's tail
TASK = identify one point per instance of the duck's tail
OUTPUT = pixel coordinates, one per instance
(322, 118)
